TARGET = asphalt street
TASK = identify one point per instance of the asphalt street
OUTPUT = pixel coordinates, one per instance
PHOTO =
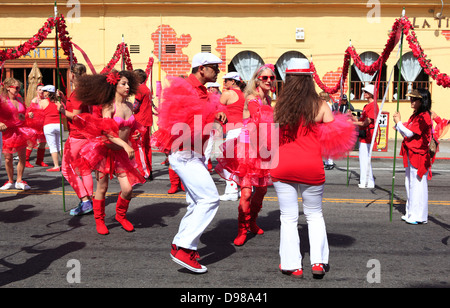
(42, 246)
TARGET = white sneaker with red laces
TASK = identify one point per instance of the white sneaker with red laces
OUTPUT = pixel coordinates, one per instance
(22, 185)
(7, 185)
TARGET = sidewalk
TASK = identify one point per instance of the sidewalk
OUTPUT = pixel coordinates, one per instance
(444, 150)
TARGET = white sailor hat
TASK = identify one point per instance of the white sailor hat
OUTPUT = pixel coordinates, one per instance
(232, 75)
(369, 88)
(49, 88)
(212, 85)
(205, 58)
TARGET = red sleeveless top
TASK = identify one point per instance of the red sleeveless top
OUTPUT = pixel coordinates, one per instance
(300, 160)
(234, 111)
(51, 114)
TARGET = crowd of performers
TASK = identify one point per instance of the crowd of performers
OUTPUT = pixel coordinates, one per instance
(284, 146)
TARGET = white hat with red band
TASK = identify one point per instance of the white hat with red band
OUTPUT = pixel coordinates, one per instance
(299, 66)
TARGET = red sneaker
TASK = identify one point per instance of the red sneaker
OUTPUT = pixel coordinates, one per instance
(298, 273)
(54, 169)
(318, 270)
(187, 258)
(42, 164)
(28, 165)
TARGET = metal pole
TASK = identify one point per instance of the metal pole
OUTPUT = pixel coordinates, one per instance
(349, 99)
(396, 133)
(58, 86)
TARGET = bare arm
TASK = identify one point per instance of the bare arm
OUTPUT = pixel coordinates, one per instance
(325, 114)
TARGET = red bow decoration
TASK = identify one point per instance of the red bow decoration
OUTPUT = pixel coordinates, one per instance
(113, 78)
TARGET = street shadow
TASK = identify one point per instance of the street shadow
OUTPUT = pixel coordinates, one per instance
(219, 240)
(35, 264)
(19, 214)
(153, 214)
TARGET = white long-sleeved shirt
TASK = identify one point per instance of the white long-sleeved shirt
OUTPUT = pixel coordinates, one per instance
(403, 130)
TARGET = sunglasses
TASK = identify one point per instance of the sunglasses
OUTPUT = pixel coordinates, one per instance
(265, 78)
(17, 87)
(213, 67)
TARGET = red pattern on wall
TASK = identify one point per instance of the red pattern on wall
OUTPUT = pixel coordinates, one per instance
(174, 64)
(222, 49)
(446, 34)
(330, 79)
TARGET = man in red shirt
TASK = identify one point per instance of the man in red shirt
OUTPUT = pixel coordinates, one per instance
(201, 192)
(144, 115)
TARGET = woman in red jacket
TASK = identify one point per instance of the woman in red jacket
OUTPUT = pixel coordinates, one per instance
(416, 156)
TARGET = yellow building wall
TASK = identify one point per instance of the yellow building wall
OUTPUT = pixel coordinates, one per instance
(264, 27)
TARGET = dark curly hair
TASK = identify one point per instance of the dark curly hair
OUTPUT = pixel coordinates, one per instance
(95, 90)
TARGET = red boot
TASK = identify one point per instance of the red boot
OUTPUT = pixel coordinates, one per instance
(27, 162)
(121, 211)
(40, 157)
(255, 208)
(242, 229)
(99, 215)
(175, 182)
(243, 217)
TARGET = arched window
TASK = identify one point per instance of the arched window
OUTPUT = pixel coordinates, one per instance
(283, 63)
(246, 63)
(360, 79)
(412, 76)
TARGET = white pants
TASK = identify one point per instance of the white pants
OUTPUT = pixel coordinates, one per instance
(417, 195)
(52, 134)
(290, 255)
(231, 187)
(365, 169)
(201, 195)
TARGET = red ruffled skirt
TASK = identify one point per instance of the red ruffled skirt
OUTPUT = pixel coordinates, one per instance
(97, 154)
(17, 138)
(37, 122)
(242, 159)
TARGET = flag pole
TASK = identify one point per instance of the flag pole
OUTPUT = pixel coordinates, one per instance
(158, 82)
(58, 86)
(123, 53)
(349, 99)
(396, 132)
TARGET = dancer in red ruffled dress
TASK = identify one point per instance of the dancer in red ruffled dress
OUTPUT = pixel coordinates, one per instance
(308, 132)
(82, 185)
(35, 119)
(108, 151)
(241, 156)
(16, 136)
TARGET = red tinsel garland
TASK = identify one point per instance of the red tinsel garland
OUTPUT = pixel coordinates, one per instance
(121, 51)
(38, 38)
(401, 24)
